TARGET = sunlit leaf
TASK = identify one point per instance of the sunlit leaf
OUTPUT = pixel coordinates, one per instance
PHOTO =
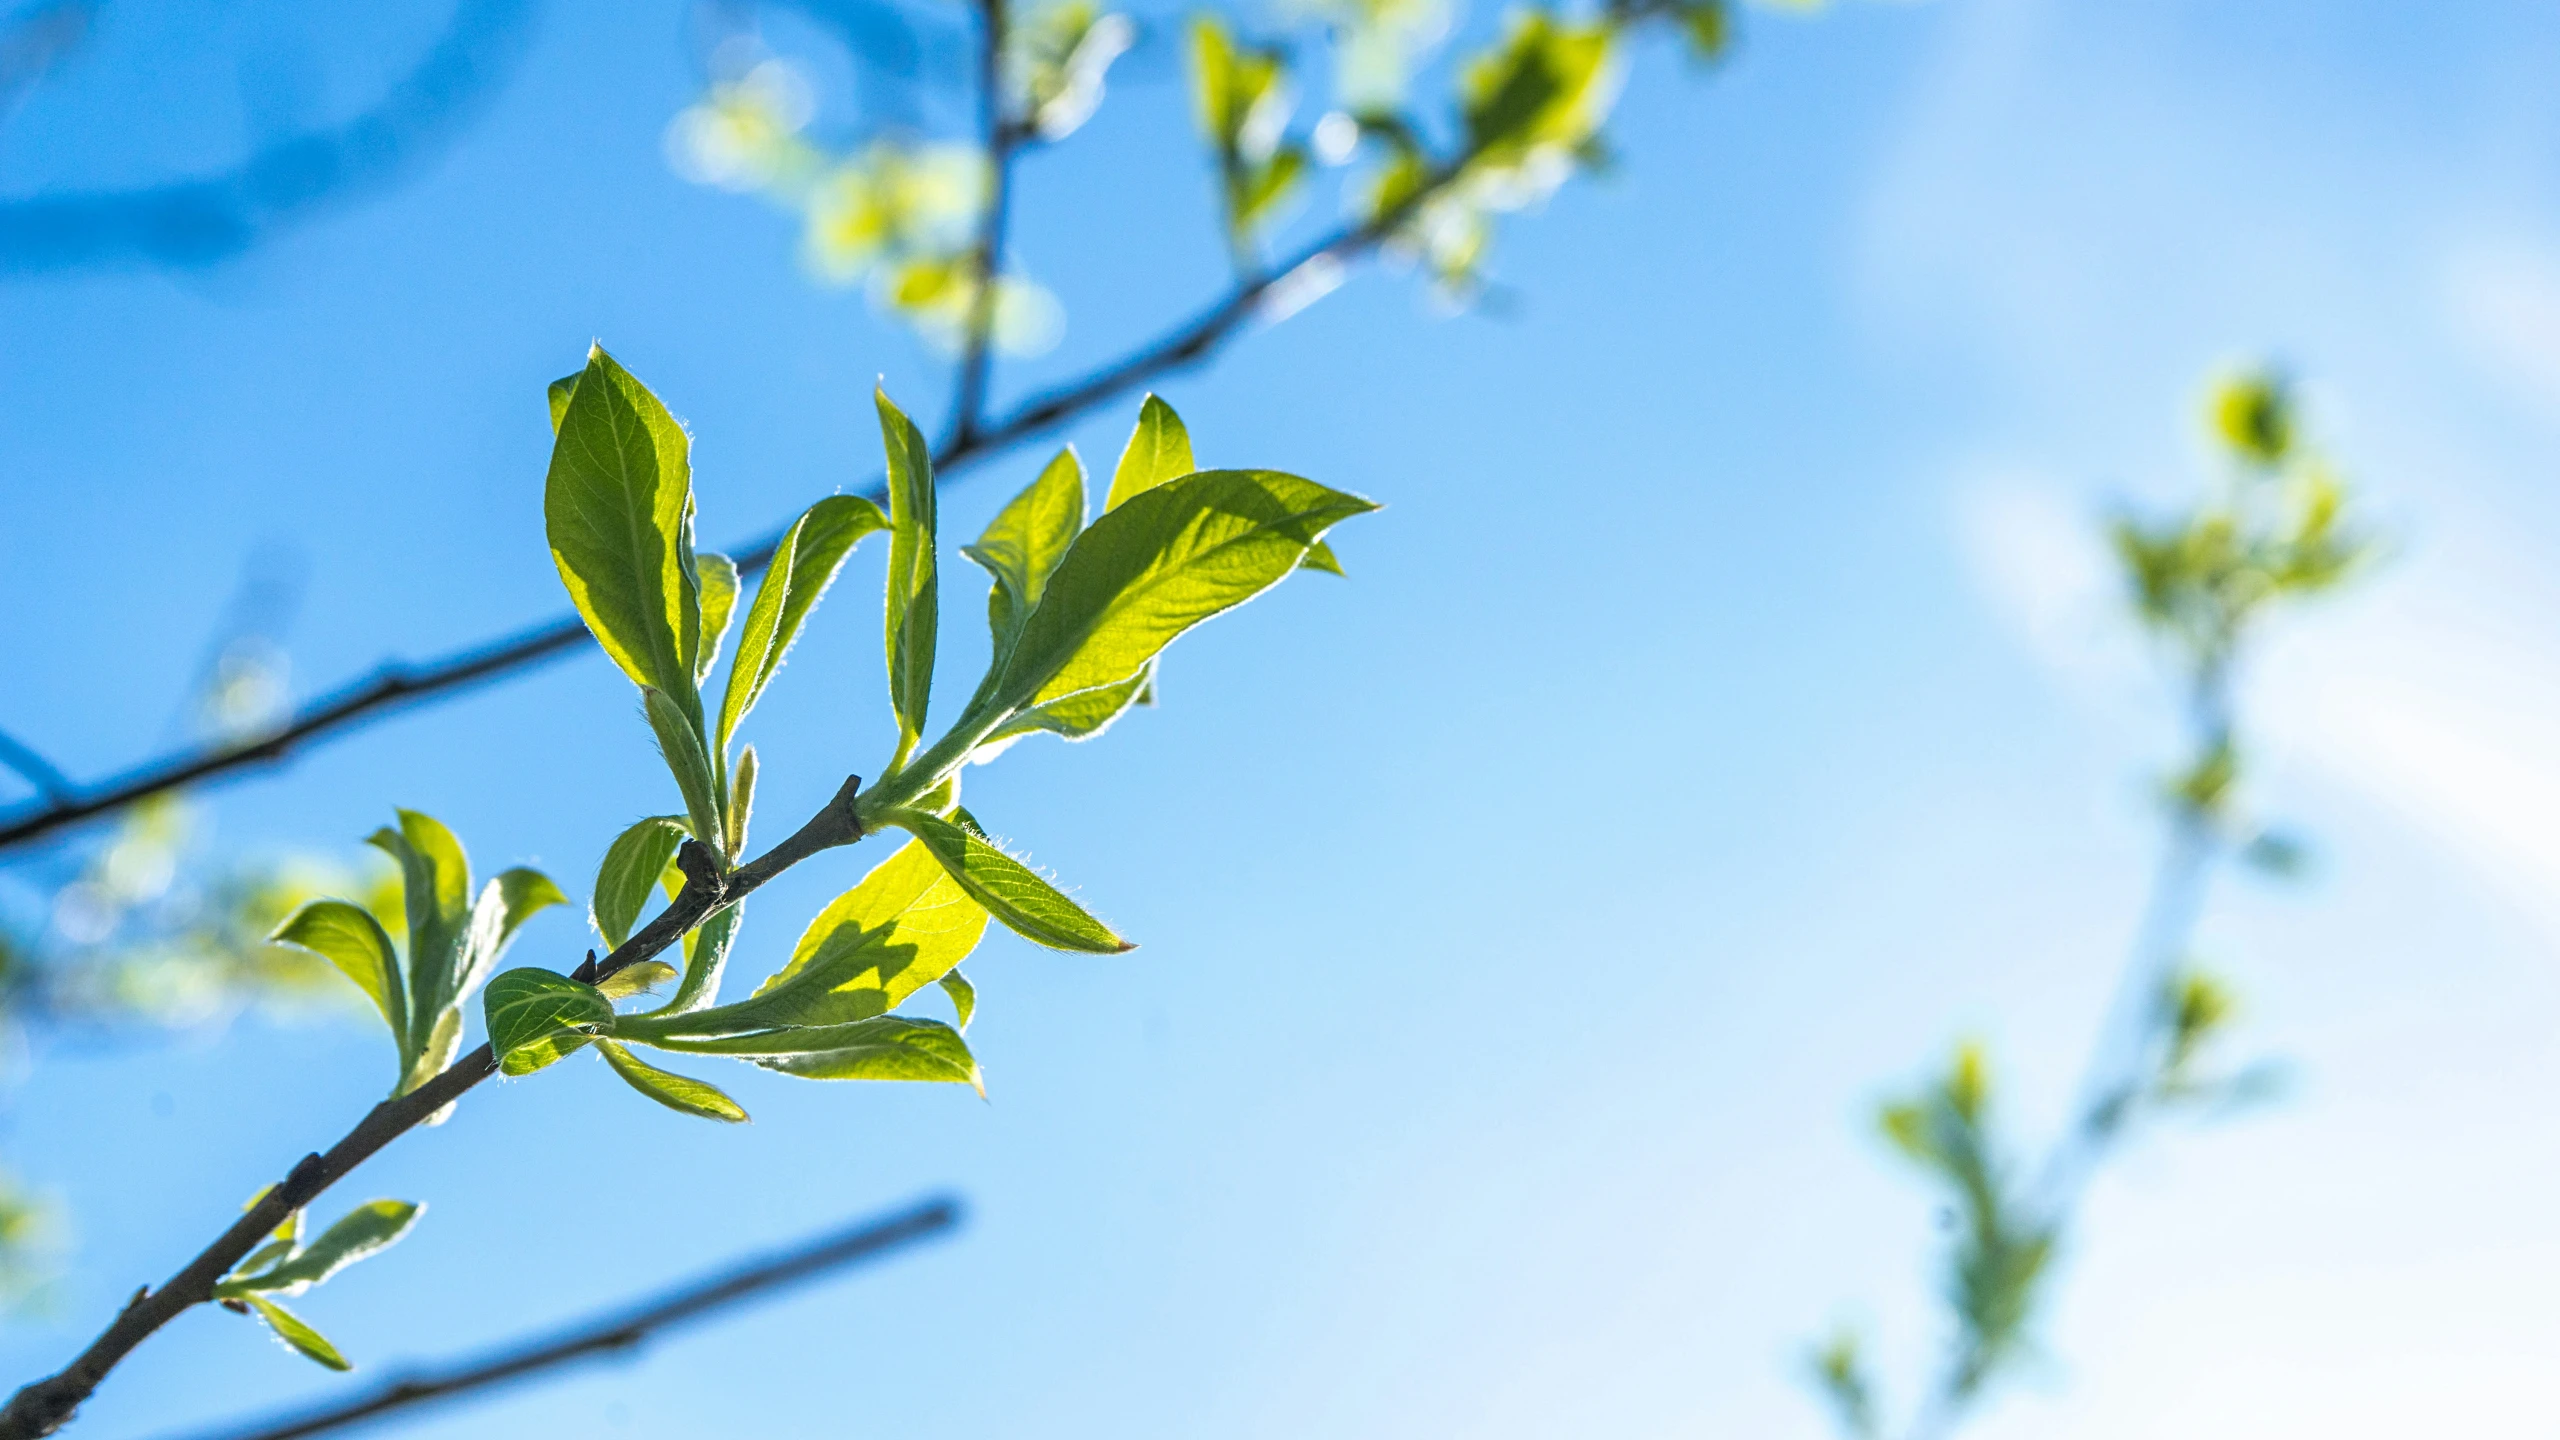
(964, 997)
(811, 553)
(290, 1328)
(536, 1016)
(618, 506)
(366, 1230)
(912, 616)
(348, 937)
(1010, 890)
(637, 979)
(632, 865)
(888, 1048)
(1161, 563)
(1025, 542)
(681, 744)
(717, 576)
(1159, 450)
(676, 1092)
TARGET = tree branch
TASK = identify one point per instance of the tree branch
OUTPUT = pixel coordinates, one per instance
(398, 687)
(1003, 137)
(620, 1330)
(44, 1406)
(39, 772)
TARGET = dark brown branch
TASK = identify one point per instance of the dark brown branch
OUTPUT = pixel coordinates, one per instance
(44, 1406)
(622, 1329)
(397, 687)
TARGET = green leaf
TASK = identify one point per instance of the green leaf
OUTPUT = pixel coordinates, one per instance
(632, 865)
(348, 937)
(706, 955)
(636, 979)
(618, 506)
(717, 577)
(536, 1016)
(368, 1229)
(912, 618)
(1015, 894)
(1159, 450)
(1163, 562)
(560, 391)
(888, 1048)
(742, 801)
(903, 927)
(812, 551)
(687, 761)
(1025, 542)
(436, 887)
(1320, 557)
(1079, 716)
(676, 1092)
(964, 997)
(443, 1041)
(290, 1328)
(505, 904)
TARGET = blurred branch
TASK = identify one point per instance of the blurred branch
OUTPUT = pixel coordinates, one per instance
(1004, 138)
(621, 1330)
(396, 687)
(196, 221)
(39, 771)
(31, 43)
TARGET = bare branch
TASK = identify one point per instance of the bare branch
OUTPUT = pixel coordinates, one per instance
(618, 1331)
(40, 772)
(1003, 138)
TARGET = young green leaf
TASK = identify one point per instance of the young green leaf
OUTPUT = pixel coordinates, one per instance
(1320, 556)
(888, 1048)
(900, 929)
(505, 904)
(290, 1328)
(436, 1050)
(368, 1229)
(742, 800)
(811, 553)
(717, 576)
(706, 955)
(1079, 716)
(637, 979)
(1159, 449)
(1015, 894)
(436, 886)
(618, 505)
(1026, 540)
(912, 618)
(1166, 560)
(632, 865)
(681, 744)
(348, 937)
(536, 1016)
(964, 997)
(676, 1092)
(560, 391)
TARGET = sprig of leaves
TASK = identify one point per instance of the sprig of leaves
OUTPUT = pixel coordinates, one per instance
(288, 1266)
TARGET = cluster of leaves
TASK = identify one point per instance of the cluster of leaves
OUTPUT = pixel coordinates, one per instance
(1526, 116)
(288, 1266)
(1078, 616)
(2275, 528)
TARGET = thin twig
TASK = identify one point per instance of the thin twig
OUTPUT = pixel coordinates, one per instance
(397, 687)
(39, 772)
(618, 1331)
(1002, 137)
(46, 1405)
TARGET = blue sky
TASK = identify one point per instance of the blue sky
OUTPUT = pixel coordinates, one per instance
(1724, 715)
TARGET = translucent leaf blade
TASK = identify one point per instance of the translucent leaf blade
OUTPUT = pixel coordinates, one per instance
(1010, 890)
(679, 1093)
(632, 865)
(617, 506)
(537, 1016)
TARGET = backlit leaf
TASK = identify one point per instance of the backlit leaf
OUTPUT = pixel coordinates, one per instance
(1161, 563)
(717, 576)
(366, 1230)
(912, 617)
(676, 1092)
(536, 1016)
(1026, 540)
(1159, 449)
(632, 865)
(290, 1328)
(681, 744)
(806, 564)
(1010, 890)
(348, 937)
(618, 506)
(964, 997)
(888, 1048)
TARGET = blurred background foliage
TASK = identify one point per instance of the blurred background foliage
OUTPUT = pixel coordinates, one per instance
(2276, 527)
